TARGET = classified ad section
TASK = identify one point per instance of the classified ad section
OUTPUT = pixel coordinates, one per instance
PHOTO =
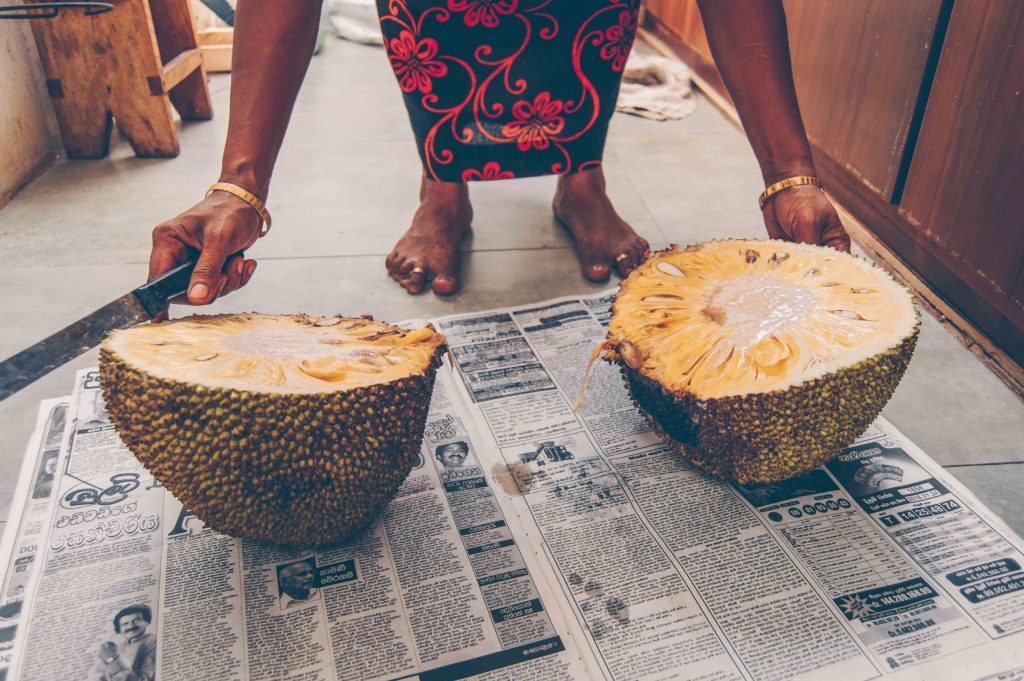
(852, 571)
(970, 556)
(884, 598)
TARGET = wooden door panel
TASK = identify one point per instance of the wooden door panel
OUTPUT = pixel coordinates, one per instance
(858, 67)
(863, 70)
(965, 189)
(682, 18)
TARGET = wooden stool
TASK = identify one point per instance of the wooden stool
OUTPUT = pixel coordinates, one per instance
(127, 65)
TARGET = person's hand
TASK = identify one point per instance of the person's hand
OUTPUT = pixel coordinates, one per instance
(108, 650)
(804, 214)
(219, 228)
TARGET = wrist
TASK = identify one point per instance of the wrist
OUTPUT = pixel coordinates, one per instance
(246, 197)
(247, 180)
(773, 172)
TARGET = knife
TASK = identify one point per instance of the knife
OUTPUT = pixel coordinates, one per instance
(140, 305)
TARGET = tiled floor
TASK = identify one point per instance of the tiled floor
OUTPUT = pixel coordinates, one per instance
(344, 191)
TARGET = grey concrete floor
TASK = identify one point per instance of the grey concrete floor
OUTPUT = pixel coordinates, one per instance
(344, 190)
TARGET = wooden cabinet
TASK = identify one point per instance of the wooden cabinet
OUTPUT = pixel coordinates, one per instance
(683, 20)
(858, 66)
(913, 110)
(964, 196)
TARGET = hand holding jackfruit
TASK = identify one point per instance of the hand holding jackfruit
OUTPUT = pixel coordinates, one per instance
(292, 428)
(760, 359)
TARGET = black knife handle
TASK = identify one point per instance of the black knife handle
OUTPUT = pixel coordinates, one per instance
(154, 295)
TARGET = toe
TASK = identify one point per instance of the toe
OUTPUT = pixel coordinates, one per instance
(642, 246)
(414, 276)
(445, 284)
(413, 284)
(394, 263)
(446, 281)
(597, 271)
(626, 265)
(633, 257)
(634, 253)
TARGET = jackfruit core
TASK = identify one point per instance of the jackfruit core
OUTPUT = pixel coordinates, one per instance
(290, 428)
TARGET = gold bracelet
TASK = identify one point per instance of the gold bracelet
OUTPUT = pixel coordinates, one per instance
(249, 198)
(773, 189)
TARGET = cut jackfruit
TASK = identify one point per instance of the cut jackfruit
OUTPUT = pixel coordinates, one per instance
(761, 359)
(293, 429)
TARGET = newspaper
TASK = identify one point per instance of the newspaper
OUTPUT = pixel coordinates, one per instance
(26, 528)
(529, 542)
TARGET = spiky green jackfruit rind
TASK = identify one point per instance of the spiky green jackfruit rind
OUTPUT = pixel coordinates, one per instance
(767, 437)
(305, 469)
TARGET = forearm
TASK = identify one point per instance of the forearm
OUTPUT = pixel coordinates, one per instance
(273, 43)
(750, 45)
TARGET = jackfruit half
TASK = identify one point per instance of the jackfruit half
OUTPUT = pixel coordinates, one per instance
(761, 359)
(294, 429)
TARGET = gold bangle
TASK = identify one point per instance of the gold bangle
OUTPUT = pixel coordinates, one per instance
(773, 189)
(249, 198)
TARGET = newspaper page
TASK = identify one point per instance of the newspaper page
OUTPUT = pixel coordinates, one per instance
(27, 526)
(878, 564)
(529, 542)
(131, 585)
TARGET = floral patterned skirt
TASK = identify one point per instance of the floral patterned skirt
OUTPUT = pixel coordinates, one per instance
(498, 89)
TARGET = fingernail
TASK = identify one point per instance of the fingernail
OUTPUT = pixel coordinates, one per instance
(238, 267)
(199, 292)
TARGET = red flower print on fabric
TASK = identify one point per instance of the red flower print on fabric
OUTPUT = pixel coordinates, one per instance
(484, 12)
(413, 62)
(535, 123)
(620, 40)
(492, 171)
(497, 89)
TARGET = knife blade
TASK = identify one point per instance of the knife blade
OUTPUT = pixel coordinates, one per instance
(140, 305)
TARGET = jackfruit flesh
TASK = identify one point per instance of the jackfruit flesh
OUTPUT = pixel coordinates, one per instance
(290, 428)
(761, 359)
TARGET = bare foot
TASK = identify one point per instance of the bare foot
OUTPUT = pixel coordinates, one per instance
(428, 252)
(603, 239)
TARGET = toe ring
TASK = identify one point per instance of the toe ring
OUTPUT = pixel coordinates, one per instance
(416, 270)
(620, 257)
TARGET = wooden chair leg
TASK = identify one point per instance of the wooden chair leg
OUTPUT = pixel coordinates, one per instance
(147, 125)
(176, 34)
(85, 130)
(77, 87)
(191, 97)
